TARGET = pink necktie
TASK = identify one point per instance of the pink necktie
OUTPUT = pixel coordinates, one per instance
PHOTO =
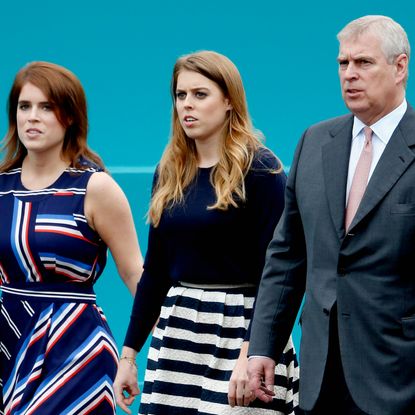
(360, 178)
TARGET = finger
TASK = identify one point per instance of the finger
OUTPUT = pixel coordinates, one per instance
(119, 396)
(128, 400)
(232, 393)
(264, 394)
(240, 390)
(124, 407)
(134, 390)
(247, 397)
(269, 377)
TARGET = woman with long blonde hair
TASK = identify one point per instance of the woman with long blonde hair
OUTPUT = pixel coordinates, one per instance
(217, 196)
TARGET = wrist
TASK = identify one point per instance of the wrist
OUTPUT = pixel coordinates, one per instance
(130, 360)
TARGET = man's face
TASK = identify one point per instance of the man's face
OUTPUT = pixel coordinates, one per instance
(371, 87)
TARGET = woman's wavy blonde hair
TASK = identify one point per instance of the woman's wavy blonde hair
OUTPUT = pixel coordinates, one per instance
(179, 163)
(64, 90)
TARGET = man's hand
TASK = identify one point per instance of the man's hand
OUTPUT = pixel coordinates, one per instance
(261, 372)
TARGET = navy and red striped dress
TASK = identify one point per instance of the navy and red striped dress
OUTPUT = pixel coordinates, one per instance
(57, 354)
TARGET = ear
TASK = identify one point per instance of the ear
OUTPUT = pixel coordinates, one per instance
(401, 66)
(228, 104)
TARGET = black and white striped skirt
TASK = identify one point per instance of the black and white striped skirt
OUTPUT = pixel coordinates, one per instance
(194, 350)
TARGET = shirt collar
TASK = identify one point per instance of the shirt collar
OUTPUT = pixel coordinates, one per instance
(384, 127)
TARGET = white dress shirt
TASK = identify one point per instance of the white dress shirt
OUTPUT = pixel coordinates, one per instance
(382, 132)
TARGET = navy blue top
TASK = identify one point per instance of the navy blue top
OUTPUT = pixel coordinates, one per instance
(208, 246)
(44, 235)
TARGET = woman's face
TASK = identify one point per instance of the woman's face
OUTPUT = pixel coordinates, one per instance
(201, 106)
(38, 127)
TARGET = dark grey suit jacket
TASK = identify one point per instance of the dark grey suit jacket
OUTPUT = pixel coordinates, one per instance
(369, 271)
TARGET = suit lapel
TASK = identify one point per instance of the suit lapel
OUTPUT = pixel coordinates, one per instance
(395, 159)
(335, 157)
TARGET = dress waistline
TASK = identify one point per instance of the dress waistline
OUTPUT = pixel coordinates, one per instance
(216, 286)
(63, 292)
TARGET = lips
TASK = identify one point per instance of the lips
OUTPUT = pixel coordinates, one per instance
(33, 133)
(189, 120)
(353, 92)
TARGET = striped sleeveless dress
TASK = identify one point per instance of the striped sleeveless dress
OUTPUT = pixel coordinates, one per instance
(57, 354)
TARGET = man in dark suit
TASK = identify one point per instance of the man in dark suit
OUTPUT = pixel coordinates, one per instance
(347, 240)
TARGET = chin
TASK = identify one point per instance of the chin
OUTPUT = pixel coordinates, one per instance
(357, 108)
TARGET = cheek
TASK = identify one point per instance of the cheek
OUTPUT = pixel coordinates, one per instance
(19, 123)
(217, 111)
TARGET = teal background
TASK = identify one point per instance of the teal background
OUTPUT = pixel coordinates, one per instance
(124, 52)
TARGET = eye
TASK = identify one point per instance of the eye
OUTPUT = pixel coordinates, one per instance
(23, 107)
(343, 63)
(180, 95)
(200, 94)
(47, 107)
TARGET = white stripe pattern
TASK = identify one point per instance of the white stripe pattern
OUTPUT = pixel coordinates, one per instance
(56, 221)
(19, 238)
(55, 332)
(40, 326)
(80, 218)
(59, 229)
(49, 294)
(28, 308)
(176, 371)
(10, 322)
(61, 267)
(88, 351)
(49, 191)
(3, 348)
(104, 391)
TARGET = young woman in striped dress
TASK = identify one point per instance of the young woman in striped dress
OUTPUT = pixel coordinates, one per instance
(59, 212)
(217, 196)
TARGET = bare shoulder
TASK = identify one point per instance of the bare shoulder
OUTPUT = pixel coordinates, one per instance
(102, 185)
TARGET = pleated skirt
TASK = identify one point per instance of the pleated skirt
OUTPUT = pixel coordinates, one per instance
(57, 354)
(194, 350)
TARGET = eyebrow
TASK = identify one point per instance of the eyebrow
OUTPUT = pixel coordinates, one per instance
(354, 58)
(25, 101)
(196, 88)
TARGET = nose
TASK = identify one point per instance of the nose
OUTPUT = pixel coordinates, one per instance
(188, 101)
(33, 114)
(350, 72)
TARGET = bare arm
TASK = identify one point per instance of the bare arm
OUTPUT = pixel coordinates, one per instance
(108, 212)
(125, 384)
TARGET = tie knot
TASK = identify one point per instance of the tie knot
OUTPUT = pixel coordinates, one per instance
(368, 134)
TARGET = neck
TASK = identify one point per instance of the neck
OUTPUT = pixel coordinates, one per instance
(38, 173)
(44, 162)
(208, 152)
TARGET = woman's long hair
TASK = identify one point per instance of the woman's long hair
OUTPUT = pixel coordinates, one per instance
(64, 90)
(179, 163)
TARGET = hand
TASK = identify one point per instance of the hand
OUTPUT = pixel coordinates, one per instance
(126, 381)
(261, 372)
(239, 392)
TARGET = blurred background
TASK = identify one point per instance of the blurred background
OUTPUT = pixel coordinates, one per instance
(124, 51)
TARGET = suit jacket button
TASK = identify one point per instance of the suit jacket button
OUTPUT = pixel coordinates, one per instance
(326, 311)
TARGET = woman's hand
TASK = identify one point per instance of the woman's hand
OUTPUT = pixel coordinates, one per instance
(239, 393)
(126, 384)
